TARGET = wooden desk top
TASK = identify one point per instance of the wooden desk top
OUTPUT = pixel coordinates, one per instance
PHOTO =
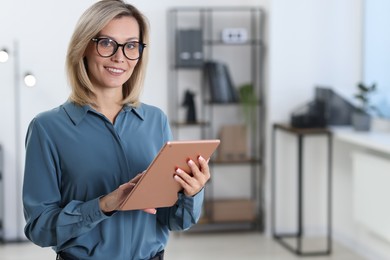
(302, 131)
(373, 140)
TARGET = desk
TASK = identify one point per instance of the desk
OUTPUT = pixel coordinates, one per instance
(300, 133)
(372, 140)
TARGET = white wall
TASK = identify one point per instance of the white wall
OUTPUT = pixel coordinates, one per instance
(317, 43)
(311, 43)
(42, 37)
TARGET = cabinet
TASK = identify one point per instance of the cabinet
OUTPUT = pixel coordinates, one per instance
(215, 56)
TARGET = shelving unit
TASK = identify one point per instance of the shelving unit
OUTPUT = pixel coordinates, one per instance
(234, 196)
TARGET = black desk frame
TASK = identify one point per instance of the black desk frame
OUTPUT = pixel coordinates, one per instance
(298, 235)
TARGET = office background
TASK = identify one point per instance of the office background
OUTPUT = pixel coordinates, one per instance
(308, 43)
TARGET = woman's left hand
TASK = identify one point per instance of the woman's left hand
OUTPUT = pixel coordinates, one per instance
(193, 183)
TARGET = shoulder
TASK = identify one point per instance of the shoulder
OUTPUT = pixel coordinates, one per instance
(40, 125)
(50, 118)
(148, 111)
(156, 121)
(48, 115)
(150, 108)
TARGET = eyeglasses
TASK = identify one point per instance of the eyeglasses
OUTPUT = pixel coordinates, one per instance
(107, 47)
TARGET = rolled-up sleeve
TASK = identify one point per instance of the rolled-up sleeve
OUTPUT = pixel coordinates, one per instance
(187, 212)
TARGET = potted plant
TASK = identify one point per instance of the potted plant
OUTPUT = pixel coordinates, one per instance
(248, 100)
(361, 118)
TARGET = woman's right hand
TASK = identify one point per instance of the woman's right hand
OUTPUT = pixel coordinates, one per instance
(112, 201)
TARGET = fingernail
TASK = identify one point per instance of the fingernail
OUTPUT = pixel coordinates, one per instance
(201, 158)
(190, 162)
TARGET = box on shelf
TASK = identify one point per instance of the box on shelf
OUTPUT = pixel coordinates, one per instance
(232, 210)
(233, 145)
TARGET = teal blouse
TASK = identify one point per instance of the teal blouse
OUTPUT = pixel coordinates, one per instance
(74, 155)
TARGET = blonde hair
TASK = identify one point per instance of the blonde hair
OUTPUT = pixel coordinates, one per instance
(93, 20)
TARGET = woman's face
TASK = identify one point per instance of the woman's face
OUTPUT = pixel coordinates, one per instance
(114, 71)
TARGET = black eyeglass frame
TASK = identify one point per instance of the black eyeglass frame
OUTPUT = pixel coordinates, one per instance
(141, 47)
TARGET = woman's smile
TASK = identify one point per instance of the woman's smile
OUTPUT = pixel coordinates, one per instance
(115, 71)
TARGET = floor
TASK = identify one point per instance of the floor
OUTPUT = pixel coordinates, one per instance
(211, 246)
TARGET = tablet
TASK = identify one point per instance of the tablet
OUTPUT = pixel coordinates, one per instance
(157, 187)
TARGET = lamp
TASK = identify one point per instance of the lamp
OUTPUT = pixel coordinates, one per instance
(29, 78)
(4, 55)
(30, 81)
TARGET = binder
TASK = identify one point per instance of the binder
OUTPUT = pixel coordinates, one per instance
(220, 83)
(189, 48)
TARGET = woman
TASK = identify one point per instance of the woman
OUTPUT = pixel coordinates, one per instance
(81, 155)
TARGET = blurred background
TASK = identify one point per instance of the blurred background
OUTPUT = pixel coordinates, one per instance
(304, 44)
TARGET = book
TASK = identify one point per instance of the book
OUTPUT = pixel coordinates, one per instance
(220, 83)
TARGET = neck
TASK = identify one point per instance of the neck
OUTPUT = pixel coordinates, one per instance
(109, 104)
